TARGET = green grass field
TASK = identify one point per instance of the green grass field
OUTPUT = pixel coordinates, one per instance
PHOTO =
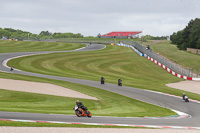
(31, 124)
(108, 105)
(28, 46)
(61, 105)
(112, 62)
(181, 57)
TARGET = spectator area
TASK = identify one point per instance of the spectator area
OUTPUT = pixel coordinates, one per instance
(122, 34)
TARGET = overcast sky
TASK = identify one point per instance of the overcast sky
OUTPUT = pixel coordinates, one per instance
(90, 17)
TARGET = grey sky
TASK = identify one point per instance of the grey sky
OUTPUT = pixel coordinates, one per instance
(90, 17)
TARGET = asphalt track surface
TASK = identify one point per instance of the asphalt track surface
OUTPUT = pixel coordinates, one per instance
(191, 108)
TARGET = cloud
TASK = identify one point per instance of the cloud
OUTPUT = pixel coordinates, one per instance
(89, 17)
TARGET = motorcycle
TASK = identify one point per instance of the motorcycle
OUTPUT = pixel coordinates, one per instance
(102, 82)
(119, 84)
(186, 100)
(81, 112)
(12, 68)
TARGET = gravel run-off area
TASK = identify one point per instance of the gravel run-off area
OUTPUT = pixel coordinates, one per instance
(191, 86)
(42, 88)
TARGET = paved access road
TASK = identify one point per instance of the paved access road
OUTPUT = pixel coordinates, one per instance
(191, 108)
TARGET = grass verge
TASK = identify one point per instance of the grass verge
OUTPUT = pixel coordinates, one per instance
(113, 62)
(33, 124)
(108, 105)
(180, 57)
(33, 46)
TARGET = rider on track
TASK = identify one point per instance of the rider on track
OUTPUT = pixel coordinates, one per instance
(119, 81)
(80, 105)
(102, 80)
(12, 68)
(184, 96)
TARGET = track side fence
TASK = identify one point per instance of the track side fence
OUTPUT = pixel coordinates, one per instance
(168, 63)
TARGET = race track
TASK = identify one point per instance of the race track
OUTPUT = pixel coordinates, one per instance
(192, 108)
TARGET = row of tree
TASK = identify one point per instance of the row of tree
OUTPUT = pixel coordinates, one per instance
(189, 37)
(10, 33)
(149, 37)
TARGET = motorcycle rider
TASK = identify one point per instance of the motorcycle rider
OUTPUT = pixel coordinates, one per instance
(184, 96)
(119, 82)
(102, 80)
(12, 68)
(80, 105)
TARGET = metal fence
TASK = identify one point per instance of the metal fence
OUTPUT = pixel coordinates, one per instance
(168, 63)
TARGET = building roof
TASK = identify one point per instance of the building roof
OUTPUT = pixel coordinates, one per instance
(122, 33)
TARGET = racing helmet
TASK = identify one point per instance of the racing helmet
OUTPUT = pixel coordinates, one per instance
(77, 101)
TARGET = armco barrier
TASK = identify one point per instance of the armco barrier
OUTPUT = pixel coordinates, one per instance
(158, 63)
(163, 60)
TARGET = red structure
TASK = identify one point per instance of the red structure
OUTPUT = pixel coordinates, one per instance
(121, 34)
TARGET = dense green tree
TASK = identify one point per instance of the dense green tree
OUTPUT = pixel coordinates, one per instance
(67, 35)
(34, 37)
(149, 37)
(99, 35)
(179, 39)
(10, 30)
(189, 36)
(198, 43)
(45, 33)
(4, 33)
(173, 38)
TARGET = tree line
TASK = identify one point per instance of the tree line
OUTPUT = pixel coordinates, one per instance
(149, 37)
(10, 33)
(189, 37)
